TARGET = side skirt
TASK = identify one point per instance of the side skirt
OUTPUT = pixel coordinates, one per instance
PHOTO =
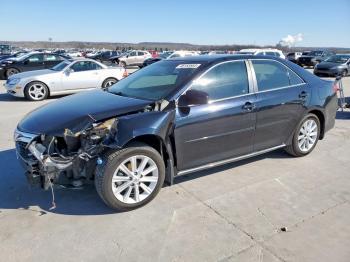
(222, 162)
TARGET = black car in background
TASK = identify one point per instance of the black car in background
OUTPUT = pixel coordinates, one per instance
(336, 65)
(29, 62)
(105, 56)
(172, 118)
(314, 57)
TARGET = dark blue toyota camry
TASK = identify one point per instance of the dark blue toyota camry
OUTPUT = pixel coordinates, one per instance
(171, 118)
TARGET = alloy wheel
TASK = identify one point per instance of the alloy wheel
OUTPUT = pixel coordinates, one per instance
(110, 83)
(308, 135)
(37, 91)
(135, 179)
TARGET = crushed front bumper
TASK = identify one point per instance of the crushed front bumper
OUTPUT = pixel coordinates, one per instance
(26, 159)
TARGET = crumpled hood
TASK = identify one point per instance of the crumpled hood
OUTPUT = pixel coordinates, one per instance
(77, 112)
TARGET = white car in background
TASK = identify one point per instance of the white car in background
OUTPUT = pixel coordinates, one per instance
(133, 58)
(183, 54)
(74, 54)
(65, 78)
(268, 51)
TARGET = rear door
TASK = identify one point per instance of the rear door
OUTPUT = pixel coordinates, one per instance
(33, 62)
(50, 60)
(223, 128)
(82, 75)
(132, 58)
(141, 56)
(281, 95)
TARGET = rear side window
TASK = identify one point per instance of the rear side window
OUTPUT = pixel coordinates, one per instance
(50, 57)
(270, 74)
(224, 81)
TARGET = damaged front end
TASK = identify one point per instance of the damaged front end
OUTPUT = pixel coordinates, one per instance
(68, 160)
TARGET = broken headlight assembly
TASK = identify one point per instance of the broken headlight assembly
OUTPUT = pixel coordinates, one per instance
(69, 159)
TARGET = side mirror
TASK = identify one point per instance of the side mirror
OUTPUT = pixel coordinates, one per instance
(68, 71)
(193, 97)
(26, 62)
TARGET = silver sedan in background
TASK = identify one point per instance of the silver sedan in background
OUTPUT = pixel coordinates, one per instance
(65, 78)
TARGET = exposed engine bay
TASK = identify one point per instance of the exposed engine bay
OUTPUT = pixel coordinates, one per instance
(70, 158)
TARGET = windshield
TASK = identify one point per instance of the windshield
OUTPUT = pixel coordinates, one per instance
(60, 66)
(156, 81)
(315, 53)
(340, 59)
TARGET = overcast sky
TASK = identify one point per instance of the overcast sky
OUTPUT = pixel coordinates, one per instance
(320, 22)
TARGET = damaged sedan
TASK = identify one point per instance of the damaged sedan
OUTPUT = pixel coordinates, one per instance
(172, 118)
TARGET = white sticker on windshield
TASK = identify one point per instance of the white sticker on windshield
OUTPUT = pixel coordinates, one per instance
(184, 66)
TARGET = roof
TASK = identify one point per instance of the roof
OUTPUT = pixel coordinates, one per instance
(219, 57)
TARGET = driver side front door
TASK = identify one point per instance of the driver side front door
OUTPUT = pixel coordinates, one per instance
(222, 129)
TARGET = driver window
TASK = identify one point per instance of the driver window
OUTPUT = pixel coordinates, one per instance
(224, 81)
(84, 66)
(132, 54)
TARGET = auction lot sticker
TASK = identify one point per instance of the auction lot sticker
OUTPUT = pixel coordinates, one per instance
(184, 66)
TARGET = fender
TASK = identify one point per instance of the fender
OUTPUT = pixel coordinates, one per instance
(156, 123)
(128, 127)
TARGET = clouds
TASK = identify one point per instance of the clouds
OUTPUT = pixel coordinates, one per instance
(291, 40)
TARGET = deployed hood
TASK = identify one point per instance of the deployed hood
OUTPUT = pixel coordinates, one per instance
(79, 111)
(34, 73)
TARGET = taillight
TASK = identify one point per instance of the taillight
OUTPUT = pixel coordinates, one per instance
(125, 74)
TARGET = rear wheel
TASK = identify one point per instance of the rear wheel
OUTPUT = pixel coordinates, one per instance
(109, 82)
(131, 177)
(11, 71)
(344, 73)
(36, 91)
(305, 137)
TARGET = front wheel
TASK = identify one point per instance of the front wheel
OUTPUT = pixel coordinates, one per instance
(305, 137)
(108, 82)
(36, 91)
(131, 177)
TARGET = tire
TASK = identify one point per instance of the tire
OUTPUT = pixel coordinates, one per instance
(108, 82)
(122, 64)
(112, 161)
(296, 148)
(11, 71)
(36, 91)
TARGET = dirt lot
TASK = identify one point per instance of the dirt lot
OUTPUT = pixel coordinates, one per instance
(230, 213)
